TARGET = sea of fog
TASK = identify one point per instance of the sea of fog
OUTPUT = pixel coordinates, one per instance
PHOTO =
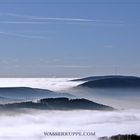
(31, 124)
(120, 99)
(54, 84)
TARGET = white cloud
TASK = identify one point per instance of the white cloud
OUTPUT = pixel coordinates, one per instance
(23, 22)
(71, 20)
(32, 124)
(23, 35)
(54, 84)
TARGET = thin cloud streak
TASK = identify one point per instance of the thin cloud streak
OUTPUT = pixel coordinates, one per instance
(22, 35)
(22, 22)
(66, 19)
(44, 22)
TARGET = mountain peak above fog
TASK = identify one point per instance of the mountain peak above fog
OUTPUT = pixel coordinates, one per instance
(111, 81)
(27, 93)
(58, 104)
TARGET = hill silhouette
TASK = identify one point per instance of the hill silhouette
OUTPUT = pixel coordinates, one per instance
(58, 104)
(121, 137)
(91, 78)
(112, 82)
(19, 93)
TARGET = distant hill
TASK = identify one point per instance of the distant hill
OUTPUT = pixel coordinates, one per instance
(58, 104)
(91, 78)
(26, 93)
(112, 82)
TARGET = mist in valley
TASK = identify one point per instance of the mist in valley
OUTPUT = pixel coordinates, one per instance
(32, 124)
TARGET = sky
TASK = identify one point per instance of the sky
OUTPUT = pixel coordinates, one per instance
(69, 38)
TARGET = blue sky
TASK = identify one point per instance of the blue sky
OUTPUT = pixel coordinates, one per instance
(71, 38)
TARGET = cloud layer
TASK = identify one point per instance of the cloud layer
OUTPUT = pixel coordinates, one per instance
(32, 124)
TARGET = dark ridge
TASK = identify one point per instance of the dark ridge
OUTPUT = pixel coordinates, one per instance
(29, 93)
(17, 89)
(121, 137)
(113, 82)
(58, 104)
(91, 78)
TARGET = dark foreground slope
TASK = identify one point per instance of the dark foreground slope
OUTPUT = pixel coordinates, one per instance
(121, 137)
(58, 104)
(113, 82)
